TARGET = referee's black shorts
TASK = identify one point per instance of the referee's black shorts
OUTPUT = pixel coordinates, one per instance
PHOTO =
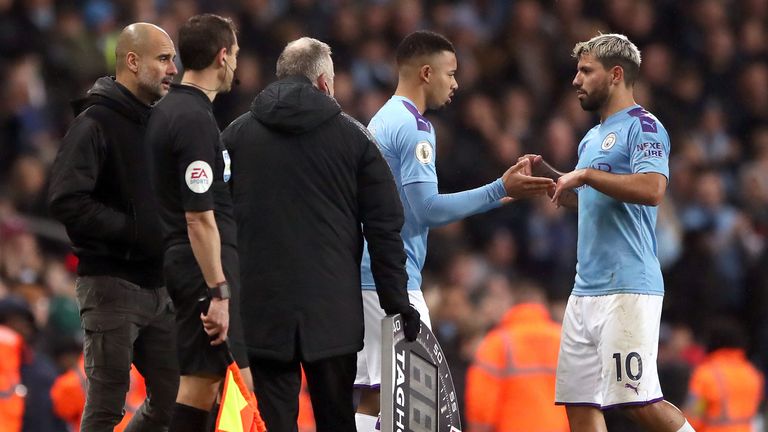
(186, 285)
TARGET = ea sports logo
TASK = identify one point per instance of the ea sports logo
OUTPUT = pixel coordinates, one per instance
(199, 173)
(199, 176)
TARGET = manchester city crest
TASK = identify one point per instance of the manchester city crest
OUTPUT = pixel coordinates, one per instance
(609, 141)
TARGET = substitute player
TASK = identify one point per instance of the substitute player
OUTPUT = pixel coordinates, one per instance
(191, 173)
(427, 66)
(610, 332)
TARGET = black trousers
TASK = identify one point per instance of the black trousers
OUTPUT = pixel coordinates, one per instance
(125, 323)
(330, 381)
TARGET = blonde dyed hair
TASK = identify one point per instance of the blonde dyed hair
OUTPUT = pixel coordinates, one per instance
(611, 50)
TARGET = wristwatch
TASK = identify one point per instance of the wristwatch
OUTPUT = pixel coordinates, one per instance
(220, 291)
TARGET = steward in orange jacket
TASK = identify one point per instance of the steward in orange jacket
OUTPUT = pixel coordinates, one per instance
(68, 396)
(511, 383)
(306, 419)
(725, 390)
(11, 390)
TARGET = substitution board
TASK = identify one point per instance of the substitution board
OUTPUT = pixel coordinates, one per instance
(417, 393)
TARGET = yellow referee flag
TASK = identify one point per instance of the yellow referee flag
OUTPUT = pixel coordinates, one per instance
(239, 411)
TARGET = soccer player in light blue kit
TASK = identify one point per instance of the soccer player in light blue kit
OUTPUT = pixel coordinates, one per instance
(426, 66)
(610, 331)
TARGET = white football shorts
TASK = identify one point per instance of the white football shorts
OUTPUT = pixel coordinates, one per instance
(369, 358)
(608, 351)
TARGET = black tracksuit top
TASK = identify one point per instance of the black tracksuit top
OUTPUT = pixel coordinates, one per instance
(100, 187)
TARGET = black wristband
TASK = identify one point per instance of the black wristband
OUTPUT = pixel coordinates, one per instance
(220, 291)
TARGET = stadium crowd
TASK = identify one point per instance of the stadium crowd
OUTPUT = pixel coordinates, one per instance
(704, 74)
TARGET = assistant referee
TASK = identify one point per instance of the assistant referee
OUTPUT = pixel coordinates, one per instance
(191, 173)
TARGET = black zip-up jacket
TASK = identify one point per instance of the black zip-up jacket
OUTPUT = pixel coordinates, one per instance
(307, 182)
(100, 188)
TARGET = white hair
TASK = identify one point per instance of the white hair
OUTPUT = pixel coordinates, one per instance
(305, 57)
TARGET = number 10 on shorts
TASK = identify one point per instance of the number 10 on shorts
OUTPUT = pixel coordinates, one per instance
(632, 363)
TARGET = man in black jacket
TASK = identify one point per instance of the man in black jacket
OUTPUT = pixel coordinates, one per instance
(99, 191)
(308, 183)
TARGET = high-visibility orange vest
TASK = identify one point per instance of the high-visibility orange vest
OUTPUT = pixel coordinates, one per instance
(306, 419)
(12, 392)
(133, 400)
(511, 383)
(724, 393)
(68, 396)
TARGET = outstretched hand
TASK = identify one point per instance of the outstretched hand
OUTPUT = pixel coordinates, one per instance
(519, 183)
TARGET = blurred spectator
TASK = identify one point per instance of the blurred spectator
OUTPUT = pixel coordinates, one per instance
(73, 54)
(28, 177)
(718, 148)
(501, 251)
(753, 97)
(753, 184)
(24, 103)
(372, 68)
(455, 326)
(20, 258)
(511, 382)
(695, 280)
(37, 371)
(681, 102)
(68, 396)
(551, 240)
(719, 60)
(230, 105)
(407, 16)
(726, 389)
(560, 144)
(679, 352)
(669, 234)
(12, 403)
(346, 33)
(756, 326)
(495, 300)
(731, 234)
(518, 113)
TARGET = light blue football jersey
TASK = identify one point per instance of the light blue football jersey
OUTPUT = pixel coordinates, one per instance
(617, 241)
(407, 141)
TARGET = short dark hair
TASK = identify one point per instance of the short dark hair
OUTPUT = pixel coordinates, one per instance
(422, 43)
(201, 38)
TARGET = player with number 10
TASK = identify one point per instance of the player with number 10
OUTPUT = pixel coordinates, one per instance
(610, 330)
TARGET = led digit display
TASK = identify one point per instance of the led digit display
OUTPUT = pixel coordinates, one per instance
(423, 396)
